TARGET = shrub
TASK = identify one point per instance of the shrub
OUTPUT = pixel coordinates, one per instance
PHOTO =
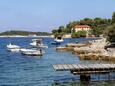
(79, 34)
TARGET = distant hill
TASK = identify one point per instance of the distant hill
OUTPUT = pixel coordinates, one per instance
(24, 33)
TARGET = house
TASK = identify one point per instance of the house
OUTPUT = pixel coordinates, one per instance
(80, 28)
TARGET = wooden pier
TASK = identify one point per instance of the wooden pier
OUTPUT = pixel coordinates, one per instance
(84, 70)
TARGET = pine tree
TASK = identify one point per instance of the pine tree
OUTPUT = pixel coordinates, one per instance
(113, 18)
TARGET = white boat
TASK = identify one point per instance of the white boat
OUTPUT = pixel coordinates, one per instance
(59, 39)
(13, 48)
(32, 52)
(38, 43)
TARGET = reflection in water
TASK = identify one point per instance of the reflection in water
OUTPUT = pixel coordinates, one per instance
(92, 83)
(96, 80)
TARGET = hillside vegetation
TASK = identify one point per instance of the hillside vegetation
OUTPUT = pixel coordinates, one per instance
(100, 26)
(24, 33)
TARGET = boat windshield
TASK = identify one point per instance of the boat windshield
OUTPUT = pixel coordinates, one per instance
(38, 41)
(59, 37)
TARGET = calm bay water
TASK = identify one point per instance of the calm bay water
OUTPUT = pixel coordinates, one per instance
(19, 70)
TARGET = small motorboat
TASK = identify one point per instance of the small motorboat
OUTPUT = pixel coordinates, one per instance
(58, 39)
(38, 43)
(32, 52)
(13, 48)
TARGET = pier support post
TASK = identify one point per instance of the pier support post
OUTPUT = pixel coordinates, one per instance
(84, 77)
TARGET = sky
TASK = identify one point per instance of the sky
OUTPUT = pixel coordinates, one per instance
(45, 15)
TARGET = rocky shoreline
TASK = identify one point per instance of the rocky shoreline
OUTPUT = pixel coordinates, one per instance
(93, 50)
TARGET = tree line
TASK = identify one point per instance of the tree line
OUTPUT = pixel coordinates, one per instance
(99, 26)
(24, 33)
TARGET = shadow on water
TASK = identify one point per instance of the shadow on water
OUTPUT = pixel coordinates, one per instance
(84, 83)
(96, 80)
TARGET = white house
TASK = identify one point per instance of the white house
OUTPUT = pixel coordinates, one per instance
(80, 27)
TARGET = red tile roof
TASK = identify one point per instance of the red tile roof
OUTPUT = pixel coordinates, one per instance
(82, 26)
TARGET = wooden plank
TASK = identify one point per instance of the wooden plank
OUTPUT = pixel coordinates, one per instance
(99, 66)
(105, 66)
(70, 66)
(110, 65)
(60, 67)
(80, 66)
(95, 66)
(65, 67)
(75, 66)
(55, 67)
(85, 66)
(113, 65)
(90, 66)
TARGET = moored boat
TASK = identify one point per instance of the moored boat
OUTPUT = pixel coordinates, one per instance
(58, 39)
(38, 43)
(13, 48)
(32, 52)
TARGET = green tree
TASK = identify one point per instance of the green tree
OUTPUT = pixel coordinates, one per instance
(70, 26)
(110, 33)
(79, 34)
(86, 21)
(97, 30)
(61, 29)
(113, 18)
(54, 31)
(98, 25)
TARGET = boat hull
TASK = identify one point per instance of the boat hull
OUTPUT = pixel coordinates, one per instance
(57, 40)
(31, 52)
(13, 50)
(34, 44)
(39, 46)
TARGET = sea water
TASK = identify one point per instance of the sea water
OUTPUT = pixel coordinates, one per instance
(21, 70)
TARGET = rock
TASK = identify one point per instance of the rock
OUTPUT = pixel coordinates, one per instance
(64, 48)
